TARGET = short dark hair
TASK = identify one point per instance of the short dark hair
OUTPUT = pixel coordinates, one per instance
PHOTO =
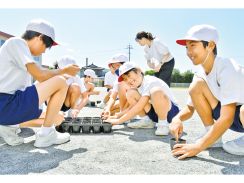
(144, 34)
(28, 35)
(205, 44)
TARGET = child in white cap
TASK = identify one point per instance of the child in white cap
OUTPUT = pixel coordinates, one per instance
(148, 97)
(118, 90)
(19, 98)
(216, 93)
(77, 96)
(89, 76)
(157, 55)
(110, 79)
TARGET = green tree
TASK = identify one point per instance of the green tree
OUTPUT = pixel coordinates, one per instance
(187, 76)
(150, 72)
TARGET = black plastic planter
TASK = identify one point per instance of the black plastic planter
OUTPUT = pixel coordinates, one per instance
(107, 127)
(65, 127)
(86, 126)
(96, 125)
(173, 142)
(76, 127)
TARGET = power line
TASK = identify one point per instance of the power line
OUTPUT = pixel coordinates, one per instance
(129, 47)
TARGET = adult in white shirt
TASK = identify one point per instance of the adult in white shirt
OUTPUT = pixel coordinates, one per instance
(149, 97)
(19, 98)
(216, 94)
(158, 56)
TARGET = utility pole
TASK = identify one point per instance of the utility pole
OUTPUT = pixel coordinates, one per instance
(129, 47)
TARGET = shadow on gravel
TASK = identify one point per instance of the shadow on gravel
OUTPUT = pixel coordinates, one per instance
(25, 158)
(141, 135)
(232, 164)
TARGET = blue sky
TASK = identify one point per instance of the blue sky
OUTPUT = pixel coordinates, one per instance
(99, 33)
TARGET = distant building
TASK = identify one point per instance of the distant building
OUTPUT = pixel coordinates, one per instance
(4, 36)
(98, 70)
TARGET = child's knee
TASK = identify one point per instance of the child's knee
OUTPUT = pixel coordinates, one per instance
(196, 87)
(61, 81)
(74, 89)
(242, 115)
(132, 94)
(157, 92)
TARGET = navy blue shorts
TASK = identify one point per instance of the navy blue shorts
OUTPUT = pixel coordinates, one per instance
(171, 114)
(19, 107)
(236, 125)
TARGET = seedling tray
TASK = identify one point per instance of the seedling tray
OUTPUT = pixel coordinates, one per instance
(85, 125)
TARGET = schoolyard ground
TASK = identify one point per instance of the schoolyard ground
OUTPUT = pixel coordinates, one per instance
(124, 151)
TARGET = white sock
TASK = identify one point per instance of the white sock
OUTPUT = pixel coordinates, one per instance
(163, 122)
(145, 118)
(45, 130)
(15, 126)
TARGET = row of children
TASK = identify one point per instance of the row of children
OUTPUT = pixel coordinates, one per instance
(213, 93)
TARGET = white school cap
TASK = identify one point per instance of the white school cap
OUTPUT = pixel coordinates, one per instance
(66, 60)
(120, 57)
(90, 72)
(43, 27)
(125, 68)
(202, 32)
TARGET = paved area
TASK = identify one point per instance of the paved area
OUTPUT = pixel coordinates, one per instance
(124, 151)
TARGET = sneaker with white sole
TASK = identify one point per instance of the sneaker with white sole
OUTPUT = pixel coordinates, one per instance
(142, 123)
(53, 138)
(9, 135)
(235, 147)
(162, 128)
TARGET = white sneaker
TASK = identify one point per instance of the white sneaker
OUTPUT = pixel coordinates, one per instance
(101, 105)
(52, 138)
(235, 147)
(162, 129)
(142, 123)
(9, 135)
(18, 130)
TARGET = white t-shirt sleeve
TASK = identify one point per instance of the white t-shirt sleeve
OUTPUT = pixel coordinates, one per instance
(161, 48)
(228, 81)
(116, 87)
(20, 53)
(106, 79)
(82, 85)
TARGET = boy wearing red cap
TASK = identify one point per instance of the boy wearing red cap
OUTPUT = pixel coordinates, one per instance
(216, 93)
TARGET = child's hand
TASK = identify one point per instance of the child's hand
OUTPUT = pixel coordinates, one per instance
(74, 113)
(186, 150)
(71, 69)
(105, 114)
(112, 121)
(176, 128)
